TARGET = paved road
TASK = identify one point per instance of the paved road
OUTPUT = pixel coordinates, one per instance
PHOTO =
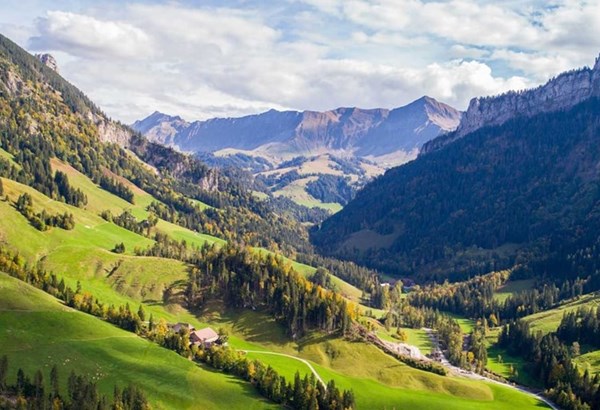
(476, 376)
(312, 369)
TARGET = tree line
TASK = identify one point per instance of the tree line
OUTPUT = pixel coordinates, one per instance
(581, 326)
(363, 278)
(116, 187)
(251, 279)
(43, 221)
(475, 299)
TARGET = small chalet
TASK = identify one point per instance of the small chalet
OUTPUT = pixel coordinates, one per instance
(205, 337)
(177, 327)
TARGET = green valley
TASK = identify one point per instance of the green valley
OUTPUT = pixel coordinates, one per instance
(268, 261)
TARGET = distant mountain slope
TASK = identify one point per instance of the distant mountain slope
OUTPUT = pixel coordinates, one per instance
(288, 151)
(528, 187)
(356, 131)
(44, 117)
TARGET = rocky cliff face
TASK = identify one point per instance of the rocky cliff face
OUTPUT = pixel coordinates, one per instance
(560, 93)
(110, 131)
(354, 131)
(48, 60)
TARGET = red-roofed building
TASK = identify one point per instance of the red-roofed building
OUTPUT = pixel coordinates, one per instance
(205, 336)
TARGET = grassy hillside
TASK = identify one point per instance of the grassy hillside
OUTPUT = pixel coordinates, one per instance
(512, 287)
(296, 191)
(549, 320)
(100, 200)
(37, 331)
(83, 254)
(589, 361)
(378, 380)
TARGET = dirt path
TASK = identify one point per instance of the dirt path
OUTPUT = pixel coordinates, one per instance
(312, 369)
(476, 376)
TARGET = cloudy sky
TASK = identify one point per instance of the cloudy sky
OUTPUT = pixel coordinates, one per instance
(202, 59)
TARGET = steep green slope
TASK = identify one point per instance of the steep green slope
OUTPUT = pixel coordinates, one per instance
(37, 331)
(83, 255)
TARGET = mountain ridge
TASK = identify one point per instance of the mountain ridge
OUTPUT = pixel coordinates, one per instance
(284, 134)
(559, 93)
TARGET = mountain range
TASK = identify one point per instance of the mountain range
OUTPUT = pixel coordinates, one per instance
(336, 151)
(283, 135)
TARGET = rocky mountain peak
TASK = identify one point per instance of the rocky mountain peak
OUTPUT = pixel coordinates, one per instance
(48, 60)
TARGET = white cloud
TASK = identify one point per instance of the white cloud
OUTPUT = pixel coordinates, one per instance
(460, 51)
(540, 66)
(90, 37)
(205, 61)
(533, 38)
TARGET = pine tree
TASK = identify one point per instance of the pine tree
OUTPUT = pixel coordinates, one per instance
(54, 384)
(142, 313)
(298, 395)
(3, 372)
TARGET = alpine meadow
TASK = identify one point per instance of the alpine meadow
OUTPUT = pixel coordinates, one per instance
(349, 205)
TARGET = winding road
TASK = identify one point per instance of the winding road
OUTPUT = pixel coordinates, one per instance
(476, 376)
(453, 369)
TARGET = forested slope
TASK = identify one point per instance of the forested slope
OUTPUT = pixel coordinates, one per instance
(522, 193)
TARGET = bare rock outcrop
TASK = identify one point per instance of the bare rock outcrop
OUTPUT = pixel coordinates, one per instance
(48, 60)
(110, 131)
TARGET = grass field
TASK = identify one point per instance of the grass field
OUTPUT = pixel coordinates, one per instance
(512, 287)
(416, 337)
(549, 320)
(466, 325)
(296, 191)
(508, 366)
(83, 254)
(589, 361)
(36, 331)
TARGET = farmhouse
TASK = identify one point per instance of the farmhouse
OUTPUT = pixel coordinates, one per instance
(205, 336)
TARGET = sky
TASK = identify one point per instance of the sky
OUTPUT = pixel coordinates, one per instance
(228, 58)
